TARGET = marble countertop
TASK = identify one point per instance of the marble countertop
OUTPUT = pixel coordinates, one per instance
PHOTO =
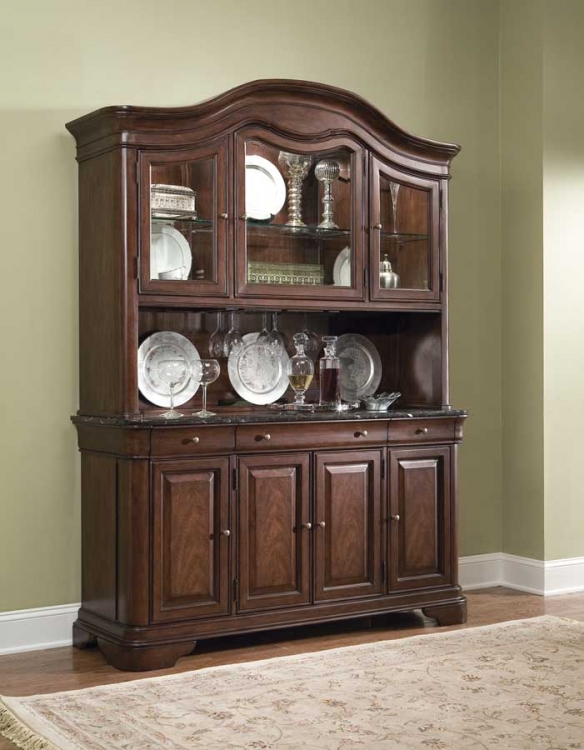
(258, 416)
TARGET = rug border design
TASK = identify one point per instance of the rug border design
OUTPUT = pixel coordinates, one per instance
(27, 733)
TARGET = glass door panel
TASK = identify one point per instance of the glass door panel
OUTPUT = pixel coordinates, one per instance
(299, 227)
(403, 235)
(183, 223)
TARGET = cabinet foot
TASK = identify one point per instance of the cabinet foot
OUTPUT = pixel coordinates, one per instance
(81, 638)
(144, 658)
(447, 614)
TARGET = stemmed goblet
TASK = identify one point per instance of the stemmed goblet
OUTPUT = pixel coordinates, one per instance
(209, 369)
(174, 372)
(278, 339)
(217, 338)
(233, 340)
(297, 166)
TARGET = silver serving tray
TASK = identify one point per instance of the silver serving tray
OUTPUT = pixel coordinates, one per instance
(151, 352)
(360, 366)
(256, 374)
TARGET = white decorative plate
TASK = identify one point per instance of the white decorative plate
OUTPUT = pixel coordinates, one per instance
(258, 375)
(265, 189)
(151, 353)
(360, 366)
(169, 250)
(342, 268)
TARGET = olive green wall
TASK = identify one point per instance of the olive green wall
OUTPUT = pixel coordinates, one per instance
(522, 276)
(431, 65)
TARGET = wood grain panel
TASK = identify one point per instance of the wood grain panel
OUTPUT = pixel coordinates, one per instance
(348, 545)
(269, 437)
(420, 517)
(98, 533)
(191, 554)
(273, 543)
(192, 441)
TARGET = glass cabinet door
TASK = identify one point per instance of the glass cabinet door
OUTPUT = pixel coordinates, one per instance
(183, 222)
(404, 235)
(299, 220)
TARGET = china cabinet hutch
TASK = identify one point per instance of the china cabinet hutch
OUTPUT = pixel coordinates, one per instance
(256, 518)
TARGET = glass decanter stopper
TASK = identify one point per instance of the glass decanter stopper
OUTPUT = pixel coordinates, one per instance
(330, 375)
(300, 370)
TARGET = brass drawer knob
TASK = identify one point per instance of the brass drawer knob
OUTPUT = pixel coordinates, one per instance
(226, 532)
(196, 440)
(322, 524)
(307, 525)
(395, 517)
(224, 216)
(265, 436)
(422, 431)
(361, 433)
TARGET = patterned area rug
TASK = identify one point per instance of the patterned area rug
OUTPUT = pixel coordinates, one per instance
(510, 686)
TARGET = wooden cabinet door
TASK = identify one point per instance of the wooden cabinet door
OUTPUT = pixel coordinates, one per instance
(191, 537)
(419, 522)
(348, 524)
(274, 531)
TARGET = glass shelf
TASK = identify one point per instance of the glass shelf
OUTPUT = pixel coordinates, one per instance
(402, 236)
(261, 229)
(193, 225)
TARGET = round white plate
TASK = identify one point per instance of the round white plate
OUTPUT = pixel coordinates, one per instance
(342, 268)
(152, 352)
(360, 366)
(265, 189)
(256, 374)
(169, 249)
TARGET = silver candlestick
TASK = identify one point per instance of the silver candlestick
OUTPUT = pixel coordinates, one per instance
(327, 171)
(297, 167)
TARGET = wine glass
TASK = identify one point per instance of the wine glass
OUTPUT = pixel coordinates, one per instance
(233, 341)
(278, 340)
(300, 370)
(394, 191)
(173, 372)
(217, 338)
(209, 373)
(313, 346)
(265, 336)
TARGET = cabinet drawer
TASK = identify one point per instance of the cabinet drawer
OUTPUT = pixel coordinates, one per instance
(191, 441)
(421, 430)
(267, 437)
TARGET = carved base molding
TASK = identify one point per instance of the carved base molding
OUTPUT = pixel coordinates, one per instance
(51, 627)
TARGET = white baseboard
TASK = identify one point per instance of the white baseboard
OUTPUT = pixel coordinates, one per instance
(34, 629)
(50, 627)
(543, 577)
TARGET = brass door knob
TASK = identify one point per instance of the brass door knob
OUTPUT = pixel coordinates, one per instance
(422, 431)
(195, 440)
(243, 217)
(226, 532)
(378, 226)
(361, 433)
(322, 524)
(307, 525)
(395, 517)
(224, 216)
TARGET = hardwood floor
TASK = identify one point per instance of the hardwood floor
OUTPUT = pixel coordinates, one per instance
(69, 669)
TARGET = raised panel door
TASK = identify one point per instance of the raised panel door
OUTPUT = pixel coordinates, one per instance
(274, 531)
(419, 522)
(347, 529)
(191, 537)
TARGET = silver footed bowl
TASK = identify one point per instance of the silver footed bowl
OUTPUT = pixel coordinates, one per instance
(381, 401)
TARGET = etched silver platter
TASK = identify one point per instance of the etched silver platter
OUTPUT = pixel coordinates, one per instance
(257, 373)
(153, 350)
(360, 366)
